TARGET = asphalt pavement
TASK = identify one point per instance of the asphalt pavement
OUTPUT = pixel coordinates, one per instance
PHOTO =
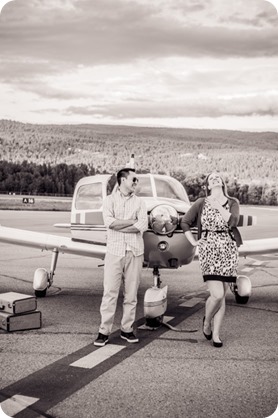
(56, 371)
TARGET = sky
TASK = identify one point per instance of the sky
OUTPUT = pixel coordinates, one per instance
(210, 64)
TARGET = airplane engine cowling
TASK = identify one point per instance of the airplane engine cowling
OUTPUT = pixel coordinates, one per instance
(244, 286)
(40, 281)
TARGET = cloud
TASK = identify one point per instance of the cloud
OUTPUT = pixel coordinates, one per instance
(259, 105)
(139, 59)
(99, 35)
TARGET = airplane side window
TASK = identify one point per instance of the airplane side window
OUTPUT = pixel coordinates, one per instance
(111, 184)
(89, 196)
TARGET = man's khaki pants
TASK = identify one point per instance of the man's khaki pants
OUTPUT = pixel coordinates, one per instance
(117, 269)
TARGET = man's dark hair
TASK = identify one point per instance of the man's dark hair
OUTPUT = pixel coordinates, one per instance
(124, 172)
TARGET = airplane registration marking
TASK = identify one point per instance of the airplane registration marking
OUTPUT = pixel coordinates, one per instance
(98, 356)
(191, 302)
(16, 404)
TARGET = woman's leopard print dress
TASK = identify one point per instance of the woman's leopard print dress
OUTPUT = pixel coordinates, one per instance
(218, 253)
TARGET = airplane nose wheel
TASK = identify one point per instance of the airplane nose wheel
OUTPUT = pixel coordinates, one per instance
(40, 293)
(155, 306)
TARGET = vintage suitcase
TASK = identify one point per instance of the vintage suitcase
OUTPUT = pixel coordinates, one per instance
(17, 303)
(29, 320)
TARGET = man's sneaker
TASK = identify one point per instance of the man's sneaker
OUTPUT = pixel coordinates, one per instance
(129, 336)
(101, 340)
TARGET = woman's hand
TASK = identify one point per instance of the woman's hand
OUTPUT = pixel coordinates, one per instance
(191, 239)
(216, 205)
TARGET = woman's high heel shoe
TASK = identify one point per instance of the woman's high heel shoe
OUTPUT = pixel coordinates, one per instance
(208, 336)
(217, 344)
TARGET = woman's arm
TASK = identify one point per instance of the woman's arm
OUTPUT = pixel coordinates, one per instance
(190, 219)
(191, 239)
(234, 209)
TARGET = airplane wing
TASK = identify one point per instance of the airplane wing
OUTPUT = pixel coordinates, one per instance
(259, 246)
(255, 247)
(63, 244)
(50, 242)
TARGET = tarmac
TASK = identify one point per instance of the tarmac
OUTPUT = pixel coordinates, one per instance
(57, 372)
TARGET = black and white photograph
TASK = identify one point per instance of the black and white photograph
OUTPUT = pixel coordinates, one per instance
(138, 208)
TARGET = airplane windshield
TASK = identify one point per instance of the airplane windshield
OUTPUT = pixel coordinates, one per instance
(144, 187)
(89, 196)
(170, 188)
(161, 187)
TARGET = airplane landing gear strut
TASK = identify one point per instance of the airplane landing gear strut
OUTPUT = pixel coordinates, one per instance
(44, 279)
(156, 277)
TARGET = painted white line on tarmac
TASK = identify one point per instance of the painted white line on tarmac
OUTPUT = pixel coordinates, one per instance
(258, 263)
(191, 302)
(98, 356)
(16, 404)
(246, 269)
(167, 318)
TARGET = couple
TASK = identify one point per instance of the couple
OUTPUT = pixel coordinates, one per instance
(125, 217)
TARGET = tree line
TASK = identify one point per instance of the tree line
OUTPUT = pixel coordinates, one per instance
(41, 179)
(245, 155)
(44, 179)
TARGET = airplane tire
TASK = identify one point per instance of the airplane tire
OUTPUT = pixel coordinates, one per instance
(40, 293)
(242, 300)
(154, 322)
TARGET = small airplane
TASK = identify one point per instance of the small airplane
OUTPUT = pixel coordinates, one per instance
(165, 243)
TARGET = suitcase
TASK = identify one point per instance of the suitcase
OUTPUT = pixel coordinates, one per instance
(29, 320)
(17, 303)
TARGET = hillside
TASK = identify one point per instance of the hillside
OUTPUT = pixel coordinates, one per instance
(245, 155)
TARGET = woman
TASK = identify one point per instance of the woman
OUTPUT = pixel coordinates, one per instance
(216, 217)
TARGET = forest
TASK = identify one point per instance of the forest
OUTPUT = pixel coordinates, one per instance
(50, 159)
(59, 180)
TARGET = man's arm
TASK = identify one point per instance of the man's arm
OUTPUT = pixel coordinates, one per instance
(133, 226)
(113, 223)
(120, 224)
(139, 225)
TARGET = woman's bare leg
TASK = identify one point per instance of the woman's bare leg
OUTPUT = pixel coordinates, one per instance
(218, 316)
(213, 303)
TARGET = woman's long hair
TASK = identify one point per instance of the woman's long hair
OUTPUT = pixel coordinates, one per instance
(224, 185)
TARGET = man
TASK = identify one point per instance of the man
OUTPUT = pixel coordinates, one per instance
(125, 217)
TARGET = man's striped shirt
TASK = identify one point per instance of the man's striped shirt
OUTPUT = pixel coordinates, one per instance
(118, 206)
